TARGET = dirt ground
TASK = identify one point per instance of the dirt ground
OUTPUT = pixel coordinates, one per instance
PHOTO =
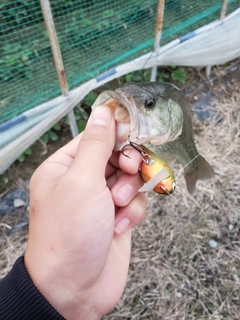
(185, 261)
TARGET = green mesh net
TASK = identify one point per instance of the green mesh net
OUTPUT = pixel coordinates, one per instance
(93, 36)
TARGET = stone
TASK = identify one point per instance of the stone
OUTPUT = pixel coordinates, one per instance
(18, 203)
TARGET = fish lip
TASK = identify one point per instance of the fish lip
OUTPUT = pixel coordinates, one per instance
(129, 103)
(139, 132)
(138, 127)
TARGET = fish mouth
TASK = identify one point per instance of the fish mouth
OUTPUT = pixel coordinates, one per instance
(131, 123)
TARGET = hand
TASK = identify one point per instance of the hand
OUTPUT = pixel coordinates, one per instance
(83, 204)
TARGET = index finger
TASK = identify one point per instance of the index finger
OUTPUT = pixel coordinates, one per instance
(129, 165)
(132, 164)
(119, 161)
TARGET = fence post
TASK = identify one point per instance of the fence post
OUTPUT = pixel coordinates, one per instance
(158, 33)
(47, 14)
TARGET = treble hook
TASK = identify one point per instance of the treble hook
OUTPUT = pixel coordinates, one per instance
(146, 157)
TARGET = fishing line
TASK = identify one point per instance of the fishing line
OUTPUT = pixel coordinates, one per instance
(148, 59)
(190, 162)
(187, 165)
(181, 203)
(180, 171)
(154, 48)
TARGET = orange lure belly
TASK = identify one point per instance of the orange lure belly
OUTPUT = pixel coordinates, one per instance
(148, 171)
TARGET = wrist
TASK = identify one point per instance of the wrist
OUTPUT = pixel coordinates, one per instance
(65, 296)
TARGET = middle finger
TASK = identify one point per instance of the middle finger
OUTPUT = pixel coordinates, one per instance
(125, 188)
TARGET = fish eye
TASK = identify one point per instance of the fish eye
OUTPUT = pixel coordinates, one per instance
(149, 103)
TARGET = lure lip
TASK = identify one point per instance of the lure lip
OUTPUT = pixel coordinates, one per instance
(154, 181)
(162, 188)
(159, 184)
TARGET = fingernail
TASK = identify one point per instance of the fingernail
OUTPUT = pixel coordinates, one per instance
(101, 116)
(122, 226)
(125, 191)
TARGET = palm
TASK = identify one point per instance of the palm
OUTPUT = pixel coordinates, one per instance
(113, 278)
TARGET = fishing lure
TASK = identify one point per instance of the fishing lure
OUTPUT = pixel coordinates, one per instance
(151, 166)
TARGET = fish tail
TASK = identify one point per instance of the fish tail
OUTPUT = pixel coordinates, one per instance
(202, 172)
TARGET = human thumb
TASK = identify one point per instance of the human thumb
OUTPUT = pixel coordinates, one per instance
(96, 145)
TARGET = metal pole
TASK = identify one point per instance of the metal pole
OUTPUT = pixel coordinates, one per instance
(222, 16)
(158, 33)
(47, 14)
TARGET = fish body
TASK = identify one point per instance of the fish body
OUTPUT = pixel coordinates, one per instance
(149, 170)
(157, 115)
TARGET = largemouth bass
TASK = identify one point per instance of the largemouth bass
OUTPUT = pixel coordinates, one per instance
(157, 115)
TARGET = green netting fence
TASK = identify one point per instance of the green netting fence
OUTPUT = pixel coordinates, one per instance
(93, 37)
